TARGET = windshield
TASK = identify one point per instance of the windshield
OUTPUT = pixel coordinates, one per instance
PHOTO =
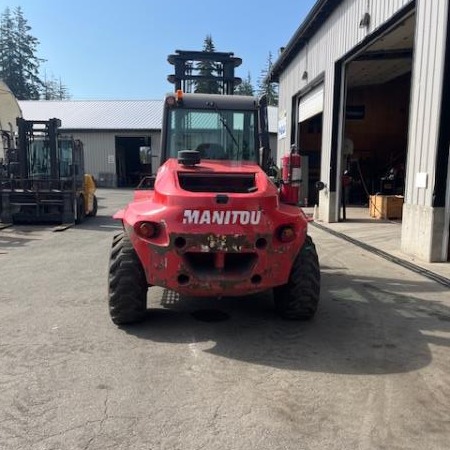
(40, 159)
(225, 135)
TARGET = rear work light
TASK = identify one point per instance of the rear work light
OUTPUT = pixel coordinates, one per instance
(171, 101)
(286, 233)
(147, 230)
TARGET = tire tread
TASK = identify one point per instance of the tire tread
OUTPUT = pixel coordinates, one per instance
(127, 293)
(299, 298)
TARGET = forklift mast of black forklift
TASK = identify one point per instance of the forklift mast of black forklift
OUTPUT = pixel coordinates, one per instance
(45, 132)
(43, 153)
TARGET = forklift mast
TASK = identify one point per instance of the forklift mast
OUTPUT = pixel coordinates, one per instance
(27, 131)
(210, 68)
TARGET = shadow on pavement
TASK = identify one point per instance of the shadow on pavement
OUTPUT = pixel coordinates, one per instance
(364, 325)
(20, 235)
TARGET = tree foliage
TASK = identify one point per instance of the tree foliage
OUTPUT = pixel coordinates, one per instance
(207, 69)
(210, 72)
(19, 63)
(265, 87)
(19, 67)
(246, 87)
(54, 89)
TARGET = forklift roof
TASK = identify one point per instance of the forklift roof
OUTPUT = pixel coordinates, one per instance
(233, 102)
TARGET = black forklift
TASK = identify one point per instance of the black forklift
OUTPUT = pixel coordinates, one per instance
(43, 180)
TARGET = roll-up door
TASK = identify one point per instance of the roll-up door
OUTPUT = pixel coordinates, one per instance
(311, 104)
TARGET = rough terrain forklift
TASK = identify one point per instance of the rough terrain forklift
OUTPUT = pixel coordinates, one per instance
(44, 179)
(213, 222)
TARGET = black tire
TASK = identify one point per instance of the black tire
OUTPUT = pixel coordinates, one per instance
(127, 292)
(81, 212)
(93, 213)
(299, 298)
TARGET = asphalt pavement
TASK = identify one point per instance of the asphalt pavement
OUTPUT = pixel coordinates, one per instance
(371, 371)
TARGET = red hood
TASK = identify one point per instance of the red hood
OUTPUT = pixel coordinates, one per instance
(167, 186)
(169, 195)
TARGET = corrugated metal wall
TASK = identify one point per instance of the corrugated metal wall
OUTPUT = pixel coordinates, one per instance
(100, 151)
(427, 83)
(337, 36)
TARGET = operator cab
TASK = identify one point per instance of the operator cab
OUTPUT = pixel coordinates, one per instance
(224, 128)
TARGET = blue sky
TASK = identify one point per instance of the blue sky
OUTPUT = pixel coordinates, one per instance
(118, 49)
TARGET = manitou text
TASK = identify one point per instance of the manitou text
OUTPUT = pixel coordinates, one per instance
(208, 217)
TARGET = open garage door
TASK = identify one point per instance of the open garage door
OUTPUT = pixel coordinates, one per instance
(378, 84)
(310, 114)
(130, 167)
(311, 104)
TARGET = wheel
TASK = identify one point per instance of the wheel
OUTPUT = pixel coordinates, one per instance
(93, 213)
(298, 299)
(81, 212)
(127, 293)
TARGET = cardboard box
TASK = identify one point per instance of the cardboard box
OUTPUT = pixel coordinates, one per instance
(386, 206)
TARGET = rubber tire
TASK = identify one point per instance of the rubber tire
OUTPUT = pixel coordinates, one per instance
(299, 298)
(81, 213)
(93, 213)
(127, 290)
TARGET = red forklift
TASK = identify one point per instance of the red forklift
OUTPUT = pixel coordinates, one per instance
(214, 221)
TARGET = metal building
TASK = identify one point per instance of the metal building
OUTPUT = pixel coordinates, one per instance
(364, 92)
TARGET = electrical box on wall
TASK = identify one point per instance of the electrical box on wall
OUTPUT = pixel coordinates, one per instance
(421, 180)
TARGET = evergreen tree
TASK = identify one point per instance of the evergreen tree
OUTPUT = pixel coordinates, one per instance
(19, 65)
(265, 87)
(7, 49)
(63, 91)
(53, 89)
(207, 69)
(245, 88)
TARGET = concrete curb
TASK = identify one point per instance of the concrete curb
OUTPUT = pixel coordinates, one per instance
(444, 281)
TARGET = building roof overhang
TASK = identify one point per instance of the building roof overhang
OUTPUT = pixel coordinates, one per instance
(319, 13)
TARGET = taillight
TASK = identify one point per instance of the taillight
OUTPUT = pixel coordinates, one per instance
(286, 233)
(147, 230)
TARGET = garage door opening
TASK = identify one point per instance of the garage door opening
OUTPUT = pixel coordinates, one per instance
(130, 164)
(310, 116)
(375, 137)
(310, 144)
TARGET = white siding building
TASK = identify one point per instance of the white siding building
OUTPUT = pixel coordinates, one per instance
(364, 87)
